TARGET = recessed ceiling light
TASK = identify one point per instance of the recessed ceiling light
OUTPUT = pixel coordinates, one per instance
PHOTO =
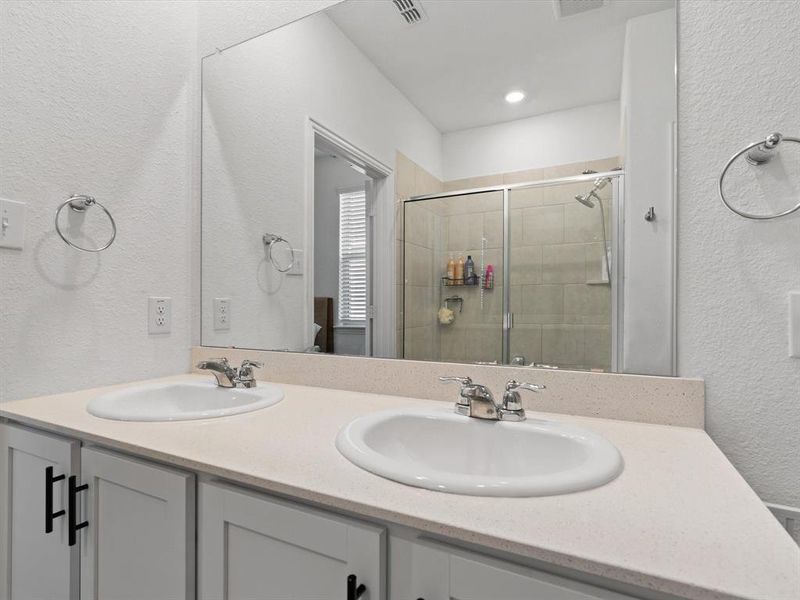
(515, 96)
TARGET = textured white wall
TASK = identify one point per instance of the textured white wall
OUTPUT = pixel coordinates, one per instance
(558, 138)
(257, 99)
(95, 98)
(734, 274)
(222, 23)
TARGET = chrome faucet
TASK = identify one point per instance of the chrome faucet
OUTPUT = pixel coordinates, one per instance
(229, 377)
(476, 400)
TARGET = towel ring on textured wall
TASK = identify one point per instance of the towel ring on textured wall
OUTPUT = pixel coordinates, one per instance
(270, 239)
(80, 203)
(758, 153)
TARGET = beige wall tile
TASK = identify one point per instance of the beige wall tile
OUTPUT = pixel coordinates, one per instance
(604, 164)
(404, 176)
(483, 343)
(597, 341)
(451, 341)
(543, 225)
(493, 229)
(523, 176)
(563, 344)
(526, 265)
(419, 343)
(419, 265)
(526, 197)
(595, 265)
(419, 225)
(425, 183)
(420, 308)
(526, 340)
(582, 224)
(564, 263)
(566, 170)
(473, 182)
(464, 232)
(587, 300)
(543, 299)
(564, 193)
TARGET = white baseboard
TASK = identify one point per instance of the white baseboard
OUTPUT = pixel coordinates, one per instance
(789, 517)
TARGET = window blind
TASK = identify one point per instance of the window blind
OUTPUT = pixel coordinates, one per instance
(352, 257)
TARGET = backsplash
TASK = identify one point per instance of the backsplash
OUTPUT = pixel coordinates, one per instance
(645, 399)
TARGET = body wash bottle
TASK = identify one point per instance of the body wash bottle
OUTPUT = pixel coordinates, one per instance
(459, 278)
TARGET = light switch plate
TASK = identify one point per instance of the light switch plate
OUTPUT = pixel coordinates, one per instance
(297, 265)
(12, 224)
(794, 324)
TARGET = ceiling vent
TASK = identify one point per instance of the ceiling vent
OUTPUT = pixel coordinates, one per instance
(410, 11)
(570, 8)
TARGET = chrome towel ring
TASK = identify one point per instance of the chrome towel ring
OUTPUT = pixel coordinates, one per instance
(758, 153)
(80, 203)
(270, 239)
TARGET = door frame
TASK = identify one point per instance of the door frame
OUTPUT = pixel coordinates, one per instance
(380, 332)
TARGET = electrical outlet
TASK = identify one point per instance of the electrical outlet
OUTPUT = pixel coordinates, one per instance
(159, 315)
(222, 314)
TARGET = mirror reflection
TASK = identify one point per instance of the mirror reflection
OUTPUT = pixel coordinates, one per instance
(479, 182)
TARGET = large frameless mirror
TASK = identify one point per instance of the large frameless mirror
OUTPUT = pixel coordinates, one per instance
(477, 182)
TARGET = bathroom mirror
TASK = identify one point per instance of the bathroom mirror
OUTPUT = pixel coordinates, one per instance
(479, 182)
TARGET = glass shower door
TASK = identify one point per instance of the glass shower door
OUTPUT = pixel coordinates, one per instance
(451, 314)
(560, 293)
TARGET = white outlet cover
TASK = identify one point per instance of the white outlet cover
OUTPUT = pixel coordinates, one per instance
(794, 324)
(159, 315)
(222, 314)
(12, 224)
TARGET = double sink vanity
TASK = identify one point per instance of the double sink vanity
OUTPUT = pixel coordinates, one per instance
(269, 489)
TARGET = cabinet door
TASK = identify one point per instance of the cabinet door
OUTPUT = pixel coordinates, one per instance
(33, 563)
(140, 539)
(255, 546)
(432, 572)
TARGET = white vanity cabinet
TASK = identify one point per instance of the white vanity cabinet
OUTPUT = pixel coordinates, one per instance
(138, 541)
(431, 571)
(256, 546)
(35, 558)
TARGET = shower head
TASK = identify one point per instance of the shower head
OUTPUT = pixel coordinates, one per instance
(599, 184)
(586, 199)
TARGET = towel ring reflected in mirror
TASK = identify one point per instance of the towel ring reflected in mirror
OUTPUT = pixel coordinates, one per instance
(758, 153)
(270, 240)
(80, 203)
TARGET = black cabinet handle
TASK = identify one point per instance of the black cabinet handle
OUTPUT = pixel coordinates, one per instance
(49, 515)
(74, 526)
(354, 589)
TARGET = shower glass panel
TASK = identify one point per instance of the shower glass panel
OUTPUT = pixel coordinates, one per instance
(556, 304)
(560, 294)
(456, 318)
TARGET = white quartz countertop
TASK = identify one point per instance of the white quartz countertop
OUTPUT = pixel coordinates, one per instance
(679, 519)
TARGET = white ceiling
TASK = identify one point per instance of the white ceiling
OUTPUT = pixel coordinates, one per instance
(457, 65)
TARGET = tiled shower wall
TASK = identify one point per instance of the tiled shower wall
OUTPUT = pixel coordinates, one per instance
(561, 305)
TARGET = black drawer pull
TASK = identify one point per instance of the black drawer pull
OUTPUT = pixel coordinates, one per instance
(74, 526)
(49, 515)
(354, 589)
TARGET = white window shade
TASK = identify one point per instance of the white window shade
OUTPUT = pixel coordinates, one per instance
(352, 258)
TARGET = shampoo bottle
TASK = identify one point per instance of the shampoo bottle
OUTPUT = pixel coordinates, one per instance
(459, 278)
(488, 278)
(451, 271)
(469, 271)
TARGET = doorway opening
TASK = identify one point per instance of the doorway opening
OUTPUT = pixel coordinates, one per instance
(346, 186)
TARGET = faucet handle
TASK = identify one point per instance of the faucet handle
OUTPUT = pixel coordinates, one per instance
(511, 400)
(222, 361)
(461, 380)
(251, 363)
(513, 384)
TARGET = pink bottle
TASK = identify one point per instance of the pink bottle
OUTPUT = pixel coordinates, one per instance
(488, 278)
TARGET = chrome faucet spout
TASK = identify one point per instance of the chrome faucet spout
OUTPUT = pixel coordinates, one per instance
(229, 377)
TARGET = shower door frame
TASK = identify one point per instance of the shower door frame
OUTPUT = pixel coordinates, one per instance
(616, 263)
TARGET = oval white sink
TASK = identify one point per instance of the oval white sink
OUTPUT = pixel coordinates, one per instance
(440, 450)
(182, 401)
